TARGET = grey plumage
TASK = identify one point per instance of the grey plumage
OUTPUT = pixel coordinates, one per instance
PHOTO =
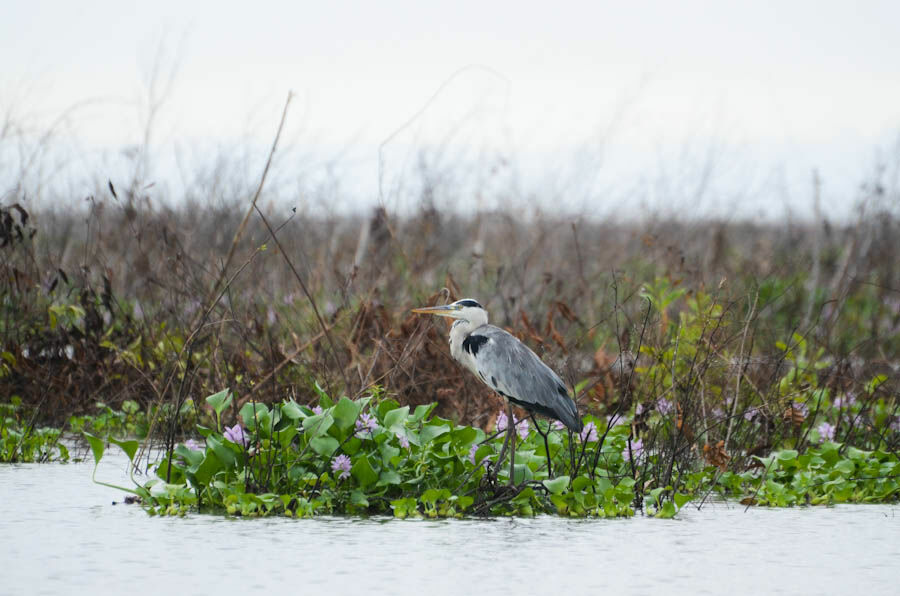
(505, 364)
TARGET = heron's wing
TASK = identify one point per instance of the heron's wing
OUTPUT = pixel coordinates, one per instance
(513, 370)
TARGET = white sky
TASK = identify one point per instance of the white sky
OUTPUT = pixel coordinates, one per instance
(596, 103)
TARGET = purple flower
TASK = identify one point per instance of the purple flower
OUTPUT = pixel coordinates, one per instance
(557, 425)
(502, 421)
(802, 408)
(522, 428)
(616, 420)
(317, 410)
(472, 451)
(826, 431)
(718, 413)
(236, 435)
(664, 406)
(342, 463)
(366, 422)
(589, 432)
(404, 441)
(521, 425)
(270, 316)
(844, 401)
(749, 414)
(637, 449)
(194, 445)
(639, 409)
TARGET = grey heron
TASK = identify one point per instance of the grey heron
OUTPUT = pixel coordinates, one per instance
(510, 368)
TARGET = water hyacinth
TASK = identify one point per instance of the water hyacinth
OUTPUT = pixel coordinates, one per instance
(665, 406)
(521, 426)
(194, 445)
(589, 433)
(317, 410)
(341, 464)
(845, 400)
(557, 425)
(472, 451)
(637, 449)
(826, 431)
(236, 435)
(403, 440)
(365, 423)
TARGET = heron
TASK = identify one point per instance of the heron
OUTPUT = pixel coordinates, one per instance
(510, 368)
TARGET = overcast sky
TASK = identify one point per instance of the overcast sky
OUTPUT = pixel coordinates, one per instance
(590, 100)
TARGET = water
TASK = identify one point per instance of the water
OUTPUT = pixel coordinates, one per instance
(62, 534)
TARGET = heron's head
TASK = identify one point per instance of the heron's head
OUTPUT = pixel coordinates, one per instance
(465, 309)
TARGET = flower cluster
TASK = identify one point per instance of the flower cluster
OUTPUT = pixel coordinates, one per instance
(521, 426)
(236, 435)
(366, 423)
(637, 450)
(589, 433)
(341, 463)
(826, 431)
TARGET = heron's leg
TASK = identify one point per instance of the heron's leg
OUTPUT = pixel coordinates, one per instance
(511, 432)
(546, 444)
(499, 461)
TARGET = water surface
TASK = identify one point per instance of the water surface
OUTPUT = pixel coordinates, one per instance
(62, 534)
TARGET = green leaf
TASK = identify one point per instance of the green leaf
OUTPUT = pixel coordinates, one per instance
(681, 499)
(395, 420)
(290, 409)
(129, 447)
(324, 446)
(345, 413)
(430, 432)
(557, 485)
(318, 425)
(222, 451)
(359, 499)
(787, 454)
(256, 415)
(388, 477)
(219, 401)
(207, 468)
(97, 447)
(363, 472)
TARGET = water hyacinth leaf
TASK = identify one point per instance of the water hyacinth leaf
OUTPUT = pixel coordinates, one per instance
(222, 451)
(345, 413)
(207, 468)
(191, 456)
(395, 420)
(557, 485)
(324, 446)
(431, 432)
(255, 415)
(422, 412)
(363, 472)
(130, 447)
(219, 401)
(681, 499)
(388, 477)
(787, 454)
(290, 409)
(358, 498)
(97, 446)
(318, 425)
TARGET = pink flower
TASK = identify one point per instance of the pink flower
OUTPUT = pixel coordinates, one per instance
(637, 449)
(826, 431)
(521, 425)
(557, 425)
(236, 435)
(366, 423)
(502, 421)
(664, 406)
(341, 463)
(589, 432)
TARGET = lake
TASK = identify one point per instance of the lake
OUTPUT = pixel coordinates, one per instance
(63, 534)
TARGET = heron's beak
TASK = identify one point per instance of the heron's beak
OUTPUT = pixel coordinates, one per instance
(448, 310)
